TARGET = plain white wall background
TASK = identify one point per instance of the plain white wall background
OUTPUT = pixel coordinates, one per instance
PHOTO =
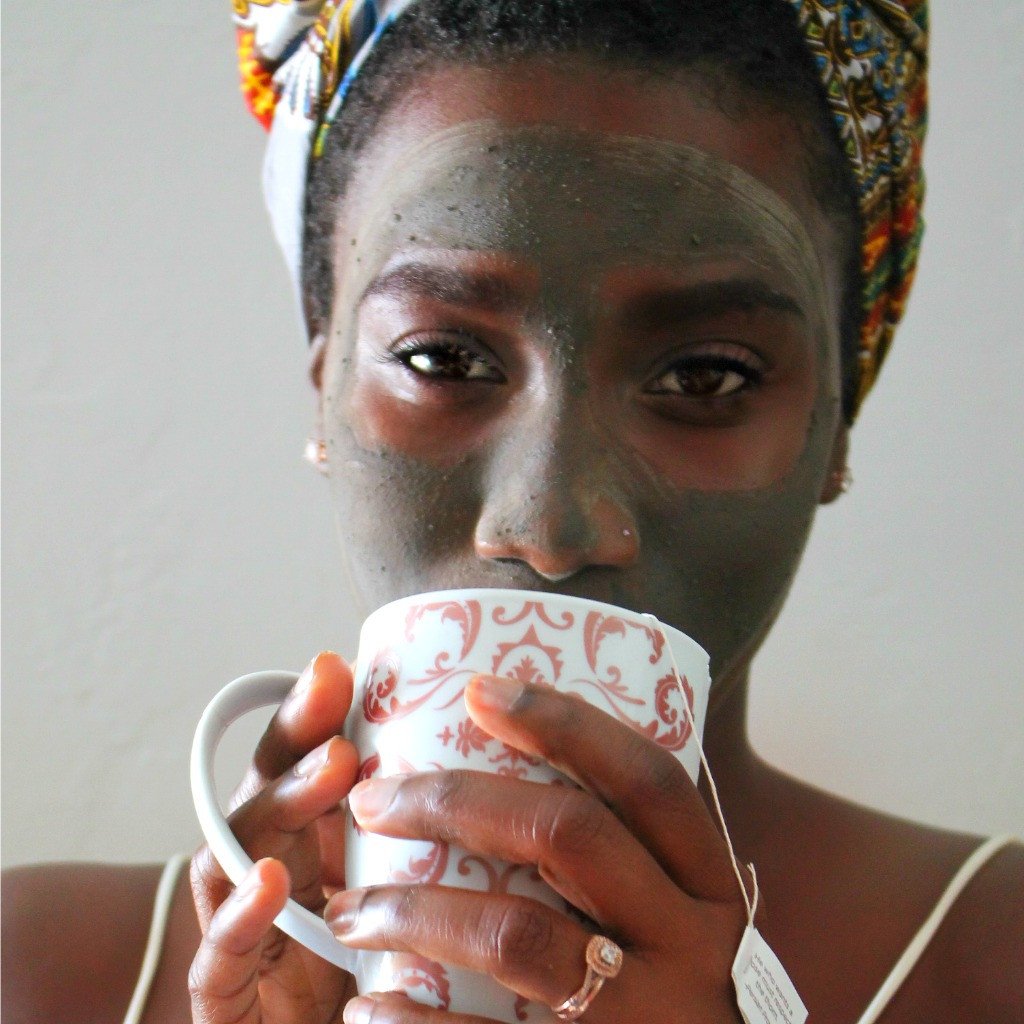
(162, 533)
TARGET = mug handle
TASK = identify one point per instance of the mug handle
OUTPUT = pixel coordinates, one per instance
(248, 693)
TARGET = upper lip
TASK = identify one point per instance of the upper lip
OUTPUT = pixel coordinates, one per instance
(598, 583)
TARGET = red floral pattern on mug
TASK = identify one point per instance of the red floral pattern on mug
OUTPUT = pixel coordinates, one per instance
(421, 654)
(528, 659)
(471, 737)
(426, 870)
(414, 972)
(465, 614)
(501, 618)
(496, 875)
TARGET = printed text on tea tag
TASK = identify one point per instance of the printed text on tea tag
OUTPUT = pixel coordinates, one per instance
(763, 990)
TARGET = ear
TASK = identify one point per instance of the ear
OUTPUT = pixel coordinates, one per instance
(316, 448)
(317, 351)
(317, 334)
(835, 481)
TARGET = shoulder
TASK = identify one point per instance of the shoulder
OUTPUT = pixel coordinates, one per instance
(970, 968)
(880, 878)
(979, 950)
(73, 939)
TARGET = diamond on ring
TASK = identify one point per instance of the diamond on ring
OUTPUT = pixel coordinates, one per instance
(604, 956)
(604, 960)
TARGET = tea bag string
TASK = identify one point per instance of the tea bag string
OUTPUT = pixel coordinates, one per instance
(750, 902)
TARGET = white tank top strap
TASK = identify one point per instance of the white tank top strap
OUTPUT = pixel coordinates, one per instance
(157, 932)
(919, 942)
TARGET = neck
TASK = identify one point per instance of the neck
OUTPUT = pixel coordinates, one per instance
(739, 774)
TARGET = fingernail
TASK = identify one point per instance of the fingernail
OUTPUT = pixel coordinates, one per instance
(495, 692)
(358, 1011)
(342, 911)
(373, 797)
(313, 761)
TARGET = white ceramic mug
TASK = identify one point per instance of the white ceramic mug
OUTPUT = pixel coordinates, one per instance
(415, 658)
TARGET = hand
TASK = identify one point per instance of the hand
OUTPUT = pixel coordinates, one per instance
(287, 812)
(635, 850)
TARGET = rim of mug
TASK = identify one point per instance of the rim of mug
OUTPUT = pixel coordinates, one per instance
(676, 637)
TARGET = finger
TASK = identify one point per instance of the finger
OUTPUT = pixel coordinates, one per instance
(643, 783)
(274, 823)
(270, 825)
(210, 886)
(331, 837)
(524, 945)
(224, 976)
(397, 1008)
(581, 849)
(314, 710)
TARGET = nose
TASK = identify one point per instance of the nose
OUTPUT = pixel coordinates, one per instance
(555, 501)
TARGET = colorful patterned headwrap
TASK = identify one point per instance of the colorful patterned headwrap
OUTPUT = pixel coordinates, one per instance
(298, 59)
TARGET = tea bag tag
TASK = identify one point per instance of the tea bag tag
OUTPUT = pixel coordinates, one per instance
(764, 993)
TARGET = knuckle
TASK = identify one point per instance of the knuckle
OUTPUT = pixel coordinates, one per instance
(197, 977)
(274, 755)
(522, 936)
(574, 824)
(655, 769)
(250, 786)
(445, 792)
(199, 981)
(247, 815)
(202, 869)
(274, 948)
(227, 1006)
(307, 886)
(405, 910)
(207, 882)
(399, 909)
(565, 718)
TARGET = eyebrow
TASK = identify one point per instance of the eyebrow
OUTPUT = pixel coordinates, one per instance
(491, 292)
(695, 302)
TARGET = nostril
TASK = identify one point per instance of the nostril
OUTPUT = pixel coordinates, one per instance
(560, 535)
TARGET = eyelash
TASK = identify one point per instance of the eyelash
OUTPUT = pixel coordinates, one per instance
(452, 345)
(465, 348)
(716, 363)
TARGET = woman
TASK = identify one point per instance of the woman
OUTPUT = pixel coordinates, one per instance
(594, 293)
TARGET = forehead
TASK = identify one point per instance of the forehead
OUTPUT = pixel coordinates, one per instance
(583, 172)
(578, 94)
(561, 196)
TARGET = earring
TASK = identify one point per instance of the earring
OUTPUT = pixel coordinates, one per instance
(316, 453)
(843, 479)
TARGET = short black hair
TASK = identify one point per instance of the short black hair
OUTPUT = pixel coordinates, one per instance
(736, 48)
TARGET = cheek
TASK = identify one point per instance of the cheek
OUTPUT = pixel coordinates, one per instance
(741, 459)
(402, 524)
(418, 425)
(759, 450)
(719, 565)
(403, 489)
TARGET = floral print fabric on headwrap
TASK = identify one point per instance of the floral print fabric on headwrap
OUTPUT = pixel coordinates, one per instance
(298, 59)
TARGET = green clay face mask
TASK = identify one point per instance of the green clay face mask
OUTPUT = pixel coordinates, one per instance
(582, 229)
(572, 204)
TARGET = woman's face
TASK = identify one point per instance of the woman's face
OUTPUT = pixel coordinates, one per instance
(584, 339)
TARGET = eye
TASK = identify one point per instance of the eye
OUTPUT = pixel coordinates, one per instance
(454, 358)
(707, 376)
